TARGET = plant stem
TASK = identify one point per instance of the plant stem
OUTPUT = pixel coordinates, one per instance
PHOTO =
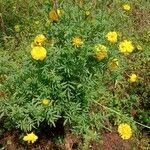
(114, 111)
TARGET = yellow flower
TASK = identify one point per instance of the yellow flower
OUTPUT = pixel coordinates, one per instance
(76, 41)
(87, 13)
(125, 131)
(54, 15)
(17, 28)
(126, 47)
(112, 37)
(113, 64)
(133, 78)
(30, 138)
(45, 102)
(126, 7)
(139, 47)
(39, 40)
(100, 52)
(38, 53)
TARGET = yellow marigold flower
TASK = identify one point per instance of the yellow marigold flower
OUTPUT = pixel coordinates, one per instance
(17, 28)
(133, 78)
(45, 102)
(112, 37)
(113, 64)
(139, 47)
(54, 15)
(39, 40)
(30, 138)
(125, 131)
(87, 13)
(126, 47)
(38, 53)
(100, 52)
(126, 7)
(76, 41)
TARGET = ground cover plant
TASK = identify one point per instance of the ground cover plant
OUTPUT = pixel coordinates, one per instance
(74, 74)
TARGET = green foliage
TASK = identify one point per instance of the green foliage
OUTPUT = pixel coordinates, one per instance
(70, 77)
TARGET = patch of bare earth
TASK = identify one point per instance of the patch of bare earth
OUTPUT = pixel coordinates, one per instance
(141, 18)
(112, 141)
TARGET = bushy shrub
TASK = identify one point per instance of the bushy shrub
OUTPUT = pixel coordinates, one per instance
(68, 77)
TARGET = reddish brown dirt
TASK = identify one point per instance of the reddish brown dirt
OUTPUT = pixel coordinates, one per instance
(112, 141)
(11, 141)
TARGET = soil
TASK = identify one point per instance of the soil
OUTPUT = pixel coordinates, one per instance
(111, 141)
(12, 140)
(60, 138)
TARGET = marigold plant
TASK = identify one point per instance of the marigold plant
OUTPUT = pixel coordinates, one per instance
(73, 71)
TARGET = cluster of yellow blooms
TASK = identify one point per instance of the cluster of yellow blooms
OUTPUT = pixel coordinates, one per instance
(38, 52)
(101, 52)
(125, 47)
